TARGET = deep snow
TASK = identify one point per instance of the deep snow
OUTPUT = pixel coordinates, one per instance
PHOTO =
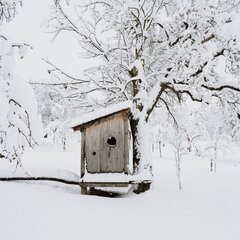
(206, 208)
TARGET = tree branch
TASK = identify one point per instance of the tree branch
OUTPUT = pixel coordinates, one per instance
(167, 107)
(191, 95)
(221, 88)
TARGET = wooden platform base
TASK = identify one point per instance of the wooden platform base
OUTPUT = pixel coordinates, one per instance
(139, 186)
(104, 184)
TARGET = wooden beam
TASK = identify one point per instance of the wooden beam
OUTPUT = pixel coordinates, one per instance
(104, 184)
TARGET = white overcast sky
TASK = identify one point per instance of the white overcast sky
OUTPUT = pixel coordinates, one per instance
(30, 26)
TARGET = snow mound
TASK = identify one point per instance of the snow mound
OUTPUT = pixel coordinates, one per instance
(40, 173)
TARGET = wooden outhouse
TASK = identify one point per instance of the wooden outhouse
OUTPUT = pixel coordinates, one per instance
(105, 147)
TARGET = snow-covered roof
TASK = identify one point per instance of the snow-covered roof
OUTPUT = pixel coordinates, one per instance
(95, 115)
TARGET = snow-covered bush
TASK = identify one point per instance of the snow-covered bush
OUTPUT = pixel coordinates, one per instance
(20, 124)
(56, 113)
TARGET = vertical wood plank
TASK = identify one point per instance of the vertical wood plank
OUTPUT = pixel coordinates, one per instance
(112, 156)
(101, 147)
(87, 142)
(97, 137)
(83, 190)
(126, 146)
(117, 150)
(93, 151)
(121, 146)
(83, 152)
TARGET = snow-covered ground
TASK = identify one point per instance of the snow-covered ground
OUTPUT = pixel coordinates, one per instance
(206, 208)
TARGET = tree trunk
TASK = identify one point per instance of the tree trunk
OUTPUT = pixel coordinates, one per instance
(211, 165)
(134, 122)
(64, 140)
(135, 128)
(139, 161)
(136, 156)
(160, 148)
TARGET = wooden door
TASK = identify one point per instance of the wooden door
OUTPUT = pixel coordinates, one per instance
(105, 146)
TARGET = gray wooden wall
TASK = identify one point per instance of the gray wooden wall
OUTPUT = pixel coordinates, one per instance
(102, 157)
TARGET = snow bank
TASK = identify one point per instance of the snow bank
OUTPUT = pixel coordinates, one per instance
(206, 208)
(9, 171)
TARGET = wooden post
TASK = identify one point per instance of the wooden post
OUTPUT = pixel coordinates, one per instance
(83, 190)
(126, 145)
(83, 153)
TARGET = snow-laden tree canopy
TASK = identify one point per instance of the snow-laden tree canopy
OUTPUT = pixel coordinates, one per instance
(20, 123)
(8, 9)
(155, 53)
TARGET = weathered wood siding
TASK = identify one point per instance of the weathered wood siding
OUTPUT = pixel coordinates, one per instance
(83, 144)
(102, 157)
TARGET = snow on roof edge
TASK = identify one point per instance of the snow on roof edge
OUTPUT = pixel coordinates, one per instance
(88, 117)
